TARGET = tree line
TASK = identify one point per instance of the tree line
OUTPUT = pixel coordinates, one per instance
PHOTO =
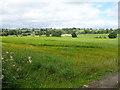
(55, 32)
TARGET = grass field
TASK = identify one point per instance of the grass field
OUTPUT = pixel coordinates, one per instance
(57, 62)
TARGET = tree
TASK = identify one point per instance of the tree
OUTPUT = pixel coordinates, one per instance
(74, 34)
(107, 30)
(86, 31)
(112, 35)
(47, 33)
(57, 33)
(40, 33)
(24, 34)
(3, 34)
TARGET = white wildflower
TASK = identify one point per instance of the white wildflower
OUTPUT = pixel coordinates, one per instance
(11, 57)
(14, 77)
(117, 81)
(29, 58)
(2, 58)
(14, 65)
(30, 61)
(18, 69)
(85, 86)
(7, 52)
(2, 76)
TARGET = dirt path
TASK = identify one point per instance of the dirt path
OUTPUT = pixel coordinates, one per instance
(107, 81)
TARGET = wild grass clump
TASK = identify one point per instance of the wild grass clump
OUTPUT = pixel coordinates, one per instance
(68, 73)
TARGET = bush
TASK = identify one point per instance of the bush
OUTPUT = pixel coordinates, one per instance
(29, 34)
(47, 33)
(74, 34)
(112, 35)
(96, 37)
(3, 34)
(36, 33)
(104, 37)
(57, 33)
(24, 34)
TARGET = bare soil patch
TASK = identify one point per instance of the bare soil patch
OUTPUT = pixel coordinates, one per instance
(106, 81)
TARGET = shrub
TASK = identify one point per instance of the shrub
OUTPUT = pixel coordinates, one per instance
(112, 35)
(24, 34)
(74, 34)
(3, 34)
(47, 33)
(104, 37)
(29, 34)
(57, 33)
(100, 36)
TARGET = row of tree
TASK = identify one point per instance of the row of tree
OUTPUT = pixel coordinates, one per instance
(54, 32)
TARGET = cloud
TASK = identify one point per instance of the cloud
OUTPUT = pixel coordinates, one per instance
(29, 13)
(112, 12)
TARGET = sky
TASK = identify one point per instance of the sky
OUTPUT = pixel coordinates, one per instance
(59, 13)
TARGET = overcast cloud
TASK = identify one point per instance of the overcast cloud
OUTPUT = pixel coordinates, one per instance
(44, 14)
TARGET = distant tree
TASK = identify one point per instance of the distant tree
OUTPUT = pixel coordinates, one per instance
(29, 33)
(33, 29)
(40, 33)
(107, 30)
(111, 29)
(24, 34)
(3, 34)
(112, 35)
(74, 34)
(86, 31)
(57, 33)
(93, 32)
(36, 33)
(48, 33)
(73, 28)
(91, 29)
(82, 32)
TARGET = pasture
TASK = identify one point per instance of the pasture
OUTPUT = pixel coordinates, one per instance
(57, 62)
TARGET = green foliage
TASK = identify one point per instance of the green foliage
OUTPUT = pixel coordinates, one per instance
(67, 73)
(29, 33)
(48, 33)
(86, 31)
(24, 34)
(112, 35)
(56, 33)
(36, 34)
(36, 66)
(74, 34)
(3, 34)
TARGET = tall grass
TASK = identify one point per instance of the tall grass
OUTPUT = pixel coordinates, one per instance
(53, 62)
